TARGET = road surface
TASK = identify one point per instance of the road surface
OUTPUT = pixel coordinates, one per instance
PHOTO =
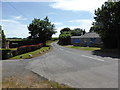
(76, 68)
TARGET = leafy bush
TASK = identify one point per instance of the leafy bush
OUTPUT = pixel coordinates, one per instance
(65, 38)
(6, 53)
(28, 48)
(14, 53)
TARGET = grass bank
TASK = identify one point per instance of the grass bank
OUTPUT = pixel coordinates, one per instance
(35, 53)
(8, 49)
(32, 54)
(84, 48)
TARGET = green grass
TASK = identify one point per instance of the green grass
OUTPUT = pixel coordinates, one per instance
(84, 48)
(15, 39)
(34, 54)
(8, 49)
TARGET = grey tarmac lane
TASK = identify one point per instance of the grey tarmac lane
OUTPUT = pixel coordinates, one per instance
(76, 68)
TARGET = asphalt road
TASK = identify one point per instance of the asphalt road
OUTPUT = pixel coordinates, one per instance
(76, 68)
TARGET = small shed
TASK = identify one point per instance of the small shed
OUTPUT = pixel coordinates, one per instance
(90, 39)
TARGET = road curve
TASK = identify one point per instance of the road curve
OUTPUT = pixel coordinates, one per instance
(76, 68)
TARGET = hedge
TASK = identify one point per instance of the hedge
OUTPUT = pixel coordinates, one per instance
(20, 50)
(6, 54)
(28, 48)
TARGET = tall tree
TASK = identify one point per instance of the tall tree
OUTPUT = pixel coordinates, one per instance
(41, 30)
(65, 30)
(77, 32)
(65, 36)
(2, 37)
(107, 24)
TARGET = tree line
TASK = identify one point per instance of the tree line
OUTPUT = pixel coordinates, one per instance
(107, 24)
(66, 33)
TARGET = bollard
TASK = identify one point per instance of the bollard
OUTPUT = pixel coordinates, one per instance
(30, 55)
(40, 52)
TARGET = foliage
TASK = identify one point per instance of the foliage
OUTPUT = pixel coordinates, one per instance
(77, 32)
(28, 48)
(41, 30)
(107, 24)
(65, 30)
(66, 33)
(33, 53)
(6, 53)
(2, 36)
(54, 38)
(65, 36)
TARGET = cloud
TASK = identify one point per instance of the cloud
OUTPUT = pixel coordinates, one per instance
(77, 5)
(58, 31)
(57, 23)
(84, 23)
(18, 18)
(13, 28)
(28, 0)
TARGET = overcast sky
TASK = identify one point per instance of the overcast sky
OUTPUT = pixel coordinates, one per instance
(18, 14)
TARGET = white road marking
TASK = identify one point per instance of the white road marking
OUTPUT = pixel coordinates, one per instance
(92, 58)
(112, 58)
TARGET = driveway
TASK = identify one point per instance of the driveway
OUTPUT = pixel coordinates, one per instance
(76, 68)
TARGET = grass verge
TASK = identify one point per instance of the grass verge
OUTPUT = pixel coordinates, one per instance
(84, 48)
(35, 53)
(8, 49)
(30, 82)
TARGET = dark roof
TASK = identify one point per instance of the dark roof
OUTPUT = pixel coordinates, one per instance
(88, 35)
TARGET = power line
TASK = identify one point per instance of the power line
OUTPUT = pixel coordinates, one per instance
(16, 9)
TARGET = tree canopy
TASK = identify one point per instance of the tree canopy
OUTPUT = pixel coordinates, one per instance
(2, 37)
(41, 30)
(107, 24)
(66, 33)
(77, 32)
(65, 30)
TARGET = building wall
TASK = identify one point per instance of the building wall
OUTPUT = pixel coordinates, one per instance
(92, 42)
(113, 0)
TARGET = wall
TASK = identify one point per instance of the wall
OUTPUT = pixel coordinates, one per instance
(92, 42)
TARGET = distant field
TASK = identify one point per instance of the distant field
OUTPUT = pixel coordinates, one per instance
(15, 39)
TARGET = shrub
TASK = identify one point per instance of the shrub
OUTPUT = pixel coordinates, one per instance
(14, 53)
(6, 54)
(28, 48)
(65, 38)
